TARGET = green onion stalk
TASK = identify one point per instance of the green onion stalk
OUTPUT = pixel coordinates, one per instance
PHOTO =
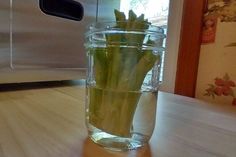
(120, 68)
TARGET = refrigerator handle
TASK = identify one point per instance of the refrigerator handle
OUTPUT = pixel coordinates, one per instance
(68, 9)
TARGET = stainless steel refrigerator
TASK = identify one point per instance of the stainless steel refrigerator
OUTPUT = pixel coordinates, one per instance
(35, 46)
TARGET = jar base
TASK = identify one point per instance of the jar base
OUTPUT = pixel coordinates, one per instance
(117, 143)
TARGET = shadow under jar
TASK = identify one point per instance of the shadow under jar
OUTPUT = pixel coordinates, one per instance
(122, 83)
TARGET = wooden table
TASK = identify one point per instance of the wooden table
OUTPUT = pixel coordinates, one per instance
(48, 121)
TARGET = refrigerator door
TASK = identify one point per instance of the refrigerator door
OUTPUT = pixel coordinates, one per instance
(41, 41)
(4, 34)
(35, 46)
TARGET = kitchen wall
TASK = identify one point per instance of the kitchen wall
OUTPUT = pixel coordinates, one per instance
(217, 66)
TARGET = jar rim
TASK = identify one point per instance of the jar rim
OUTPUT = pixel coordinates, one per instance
(110, 26)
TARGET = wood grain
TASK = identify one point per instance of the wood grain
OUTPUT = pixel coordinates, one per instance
(189, 49)
(47, 120)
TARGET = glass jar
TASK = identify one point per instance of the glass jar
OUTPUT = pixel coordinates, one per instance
(122, 83)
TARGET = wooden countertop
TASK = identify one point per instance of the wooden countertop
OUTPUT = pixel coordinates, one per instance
(48, 121)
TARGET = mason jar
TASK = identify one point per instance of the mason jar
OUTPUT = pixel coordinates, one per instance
(123, 78)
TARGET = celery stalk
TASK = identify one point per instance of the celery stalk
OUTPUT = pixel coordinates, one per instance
(119, 70)
(100, 64)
